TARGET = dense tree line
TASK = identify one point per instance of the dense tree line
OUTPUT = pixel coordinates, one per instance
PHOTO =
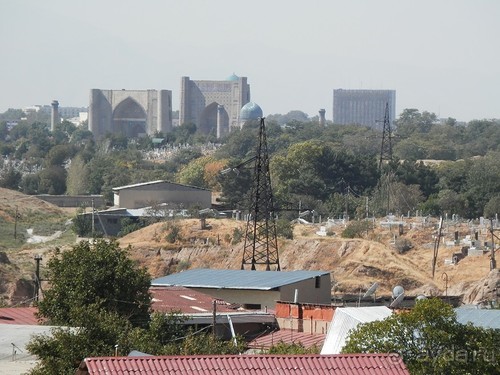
(331, 169)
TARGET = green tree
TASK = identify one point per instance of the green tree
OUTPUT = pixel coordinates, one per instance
(100, 274)
(315, 168)
(430, 341)
(77, 180)
(182, 134)
(64, 131)
(411, 121)
(52, 180)
(492, 208)
(194, 173)
(82, 224)
(10, 178)
(81, 135)
(29, 183)
(58, 155)
(412, 173)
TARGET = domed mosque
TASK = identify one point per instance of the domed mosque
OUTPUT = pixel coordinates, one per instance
(250, 111)
(233, 78)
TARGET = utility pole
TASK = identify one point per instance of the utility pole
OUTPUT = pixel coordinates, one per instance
(214, 317)
(37, 258)
(493, 262)
(15, 224)
(436, 246)
(93, 218)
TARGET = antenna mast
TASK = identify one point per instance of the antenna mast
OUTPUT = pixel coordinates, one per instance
(261, 245)
(386, 148)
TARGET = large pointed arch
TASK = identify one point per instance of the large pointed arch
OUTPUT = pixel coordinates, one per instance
(129, 118)
(208, 119)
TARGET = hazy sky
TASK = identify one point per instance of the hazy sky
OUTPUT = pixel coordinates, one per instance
(440, 56)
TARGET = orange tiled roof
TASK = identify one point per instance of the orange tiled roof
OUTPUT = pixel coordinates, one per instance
(346, 364)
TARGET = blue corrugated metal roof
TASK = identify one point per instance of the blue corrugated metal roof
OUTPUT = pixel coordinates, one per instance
(485, 318)
(235, 279)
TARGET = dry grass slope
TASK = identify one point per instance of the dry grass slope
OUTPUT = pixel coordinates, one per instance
(354, 263)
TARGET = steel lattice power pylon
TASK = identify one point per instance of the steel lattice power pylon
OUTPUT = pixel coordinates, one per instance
(386, 149)
(261, 245)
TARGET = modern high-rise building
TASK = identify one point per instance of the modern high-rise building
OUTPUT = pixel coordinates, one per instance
(213, 106)
(363, 107)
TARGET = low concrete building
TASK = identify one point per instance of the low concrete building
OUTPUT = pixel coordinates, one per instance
(156, 192)
(255, 289)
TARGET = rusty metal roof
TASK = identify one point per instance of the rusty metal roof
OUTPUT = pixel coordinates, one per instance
(198, 307)
(18, 315)
(346, 364)
(287, 336)
(185, 300)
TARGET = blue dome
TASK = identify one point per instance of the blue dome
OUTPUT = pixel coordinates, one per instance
(250, 111)
(233, 77)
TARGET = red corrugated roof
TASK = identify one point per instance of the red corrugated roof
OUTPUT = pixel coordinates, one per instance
(287, 336)
(346, 364)
(188, 301)
(18, 315)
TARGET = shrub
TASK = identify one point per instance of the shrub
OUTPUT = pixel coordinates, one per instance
(284, 229)
(356, 229)
(237, 236)
(174, 233)
(403, 245)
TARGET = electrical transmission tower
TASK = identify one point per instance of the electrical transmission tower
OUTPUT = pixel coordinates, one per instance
(386, 149)
(261, 245)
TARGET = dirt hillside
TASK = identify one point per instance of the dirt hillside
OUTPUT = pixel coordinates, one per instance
(354, 263)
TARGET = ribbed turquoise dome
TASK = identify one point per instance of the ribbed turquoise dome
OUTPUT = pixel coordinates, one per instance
(233, 77)
(250, 111)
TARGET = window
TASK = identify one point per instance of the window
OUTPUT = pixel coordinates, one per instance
(317, 282)
(252, 306)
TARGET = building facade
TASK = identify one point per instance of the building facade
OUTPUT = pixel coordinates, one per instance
(176, 195)
(213, 106)
(363, 107)
(254, 289)
(132, 113)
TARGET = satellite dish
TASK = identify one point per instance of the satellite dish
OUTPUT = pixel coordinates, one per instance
(398, 300)
(398, 289)
(420, 297)
(371, 290)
